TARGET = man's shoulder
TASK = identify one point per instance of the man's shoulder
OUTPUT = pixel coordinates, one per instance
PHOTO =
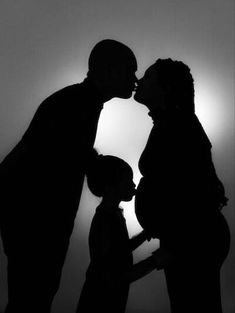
(65, 92)
(70, 99)
(57, 101)
(79, 92)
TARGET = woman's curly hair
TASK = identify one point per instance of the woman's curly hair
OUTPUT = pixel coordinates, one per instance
(177, 81)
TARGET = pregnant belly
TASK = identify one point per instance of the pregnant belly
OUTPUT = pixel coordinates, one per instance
(151, 209)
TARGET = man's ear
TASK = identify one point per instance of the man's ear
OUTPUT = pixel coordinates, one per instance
(106, 75)
(114, 72)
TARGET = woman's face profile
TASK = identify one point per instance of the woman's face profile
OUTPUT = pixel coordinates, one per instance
(149, 91)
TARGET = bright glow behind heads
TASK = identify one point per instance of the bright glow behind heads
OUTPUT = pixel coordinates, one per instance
(209, 103)
(125, 125)
(123, 131)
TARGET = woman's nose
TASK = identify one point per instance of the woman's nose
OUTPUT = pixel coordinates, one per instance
(139, 81)
(136, 80)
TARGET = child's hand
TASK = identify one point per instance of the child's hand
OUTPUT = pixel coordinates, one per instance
(162, 258)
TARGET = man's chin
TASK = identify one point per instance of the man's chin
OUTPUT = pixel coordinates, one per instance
(125, 95)
(128, 198)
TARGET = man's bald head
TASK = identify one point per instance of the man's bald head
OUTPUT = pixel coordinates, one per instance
(110, 53)
(112, 66)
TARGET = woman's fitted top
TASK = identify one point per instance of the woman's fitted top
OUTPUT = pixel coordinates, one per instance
(179, 180)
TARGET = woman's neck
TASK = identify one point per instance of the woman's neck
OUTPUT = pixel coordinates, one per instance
(167, 115)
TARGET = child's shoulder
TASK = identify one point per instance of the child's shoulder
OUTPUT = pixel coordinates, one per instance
(104, 212)
(103, 220)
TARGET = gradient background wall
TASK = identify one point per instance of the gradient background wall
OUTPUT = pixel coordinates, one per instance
(45, 46)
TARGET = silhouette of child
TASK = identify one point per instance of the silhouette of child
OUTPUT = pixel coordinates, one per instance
(111, 268)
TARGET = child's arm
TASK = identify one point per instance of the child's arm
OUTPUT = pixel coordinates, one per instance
(137, 240)
(158, 260)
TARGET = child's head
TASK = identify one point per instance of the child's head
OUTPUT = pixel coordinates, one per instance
(112, 176)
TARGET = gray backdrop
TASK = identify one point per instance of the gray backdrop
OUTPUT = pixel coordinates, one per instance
(45, 46)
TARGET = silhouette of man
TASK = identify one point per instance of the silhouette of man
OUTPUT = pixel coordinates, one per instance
(42, 177)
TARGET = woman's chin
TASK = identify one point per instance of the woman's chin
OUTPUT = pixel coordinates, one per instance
(142, 100)
(138, 98)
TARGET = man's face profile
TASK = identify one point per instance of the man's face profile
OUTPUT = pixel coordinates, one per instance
(114, 64)
(123, 79)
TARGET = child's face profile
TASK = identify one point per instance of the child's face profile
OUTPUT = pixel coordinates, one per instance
(127, 187)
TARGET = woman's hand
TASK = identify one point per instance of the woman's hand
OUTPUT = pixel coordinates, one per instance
(162, 258)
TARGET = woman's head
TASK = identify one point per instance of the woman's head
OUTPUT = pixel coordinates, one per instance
(167, 85)
(111, 175)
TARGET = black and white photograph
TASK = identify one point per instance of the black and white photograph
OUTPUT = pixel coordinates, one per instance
(117, 156)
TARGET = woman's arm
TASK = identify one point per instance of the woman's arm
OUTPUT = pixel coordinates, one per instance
(140, 269)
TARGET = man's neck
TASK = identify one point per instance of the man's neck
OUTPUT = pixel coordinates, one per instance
(105, 94)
